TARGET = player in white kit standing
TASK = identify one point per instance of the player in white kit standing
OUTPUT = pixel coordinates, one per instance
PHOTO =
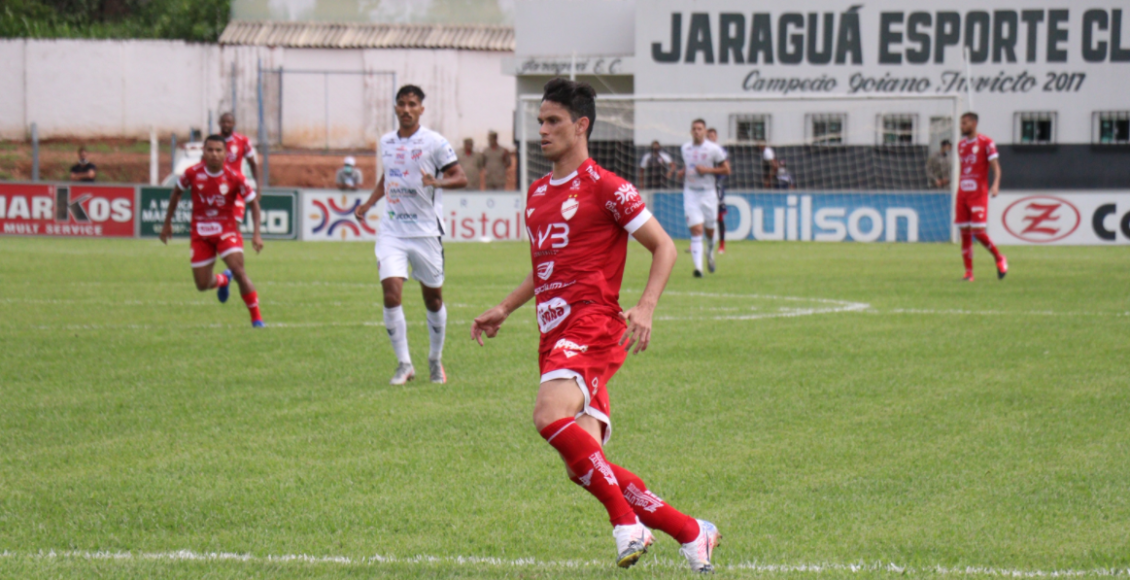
(418, 165)
(702, 161)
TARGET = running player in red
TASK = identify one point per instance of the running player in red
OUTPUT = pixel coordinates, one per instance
(579, 218)
(978, 153)
(214, 188)
(238, 148)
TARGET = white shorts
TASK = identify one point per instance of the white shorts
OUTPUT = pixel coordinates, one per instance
(701, 207)
(424, 254)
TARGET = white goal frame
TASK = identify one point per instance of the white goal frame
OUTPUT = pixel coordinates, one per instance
(957, 109)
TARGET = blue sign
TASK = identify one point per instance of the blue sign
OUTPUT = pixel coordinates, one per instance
(822, 217)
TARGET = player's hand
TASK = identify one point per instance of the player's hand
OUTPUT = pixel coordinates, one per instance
(166, 233)
(639, 328)
(994, 191)
(257, 243)
(488, 323)
(429, 179)
(701, 169)
(361, 211)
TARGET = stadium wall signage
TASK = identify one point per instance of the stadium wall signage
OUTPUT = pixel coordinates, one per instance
(826, 217)
(1044, 218)
(479, 216)
(882, 47)
(279, 214)
(70, 210)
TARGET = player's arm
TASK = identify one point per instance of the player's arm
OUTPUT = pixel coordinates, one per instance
(722, 169)
(453, 178)
(378, 193)
(256, 214)
(996, 188)
(663, 254)
(167, 229)
(490, 321)
(254, 166)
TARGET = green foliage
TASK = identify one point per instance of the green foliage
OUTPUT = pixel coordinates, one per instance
(191, 20)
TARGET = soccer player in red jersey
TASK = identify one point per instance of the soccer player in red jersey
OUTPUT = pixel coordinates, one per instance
(978, 154)
(238, 148)
(214, 188)
(579, 218)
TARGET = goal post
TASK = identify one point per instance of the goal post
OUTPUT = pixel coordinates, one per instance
(844, 168)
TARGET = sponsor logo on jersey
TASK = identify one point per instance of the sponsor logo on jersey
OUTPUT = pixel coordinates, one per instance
(552, 313)
(567, 344)
(402, 217)
(626, 194)
(545, 270)
(209, 228)
(557, 233)
(1041, 219)
(394, 172)
(552, 286)
(529, 212)
(569, 208)
(201, 177)
(212, 213)
(540, 190)
(611, 206)
(576, 184)
(592, 173)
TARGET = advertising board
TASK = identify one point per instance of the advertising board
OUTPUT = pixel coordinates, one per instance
(70, 210)
(1098, 218)
(327, 215)
(278, 219)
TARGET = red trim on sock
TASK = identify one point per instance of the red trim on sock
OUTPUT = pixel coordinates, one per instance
(653, 511)
(221, 280)
(583, 456)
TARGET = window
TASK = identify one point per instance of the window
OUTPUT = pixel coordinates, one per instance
(897, 129)
(941, 129)
(826, 128)
(749, 128)
(1035, 128)
(1111, 128)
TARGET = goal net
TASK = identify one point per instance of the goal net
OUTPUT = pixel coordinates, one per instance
(805, 168)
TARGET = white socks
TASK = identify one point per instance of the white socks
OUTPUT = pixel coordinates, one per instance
(710, 244)
(398, 333)
(696, 252)
(437, 329)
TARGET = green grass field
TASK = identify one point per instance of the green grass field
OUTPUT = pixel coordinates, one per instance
(829, 405)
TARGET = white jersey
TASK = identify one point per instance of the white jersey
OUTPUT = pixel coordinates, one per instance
(414, 211)
(709, 154)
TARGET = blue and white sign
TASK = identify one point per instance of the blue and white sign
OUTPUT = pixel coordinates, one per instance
(823, 217)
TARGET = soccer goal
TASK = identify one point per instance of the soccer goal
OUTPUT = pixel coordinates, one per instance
(805, 168)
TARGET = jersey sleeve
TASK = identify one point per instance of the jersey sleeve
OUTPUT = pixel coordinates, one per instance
(719, 155)
(444, 155)
(643, 160)
(623, 203)
(768, 154)
(248, 150)
(991, 149)
(245, 189)
(184, 181)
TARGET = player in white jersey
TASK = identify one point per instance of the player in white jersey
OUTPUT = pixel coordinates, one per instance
(418, 165)
(702, 161)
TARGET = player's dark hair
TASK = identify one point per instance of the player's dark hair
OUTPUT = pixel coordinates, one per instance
(971, 115)
(410, 90)
(709, 129)
(697, 121)
(578, 98)
(947, 142)
(228, 114)
(219, 138)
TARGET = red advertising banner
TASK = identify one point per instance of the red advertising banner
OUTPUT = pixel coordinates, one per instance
(72, 210)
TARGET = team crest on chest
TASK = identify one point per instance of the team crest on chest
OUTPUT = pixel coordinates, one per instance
(224, 188)
(569, 208)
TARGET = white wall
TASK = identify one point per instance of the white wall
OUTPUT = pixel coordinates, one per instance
(92, 88)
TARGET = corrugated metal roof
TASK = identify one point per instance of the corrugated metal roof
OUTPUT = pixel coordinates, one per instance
(365, 35)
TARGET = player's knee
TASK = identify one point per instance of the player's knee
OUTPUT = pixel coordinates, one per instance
(433, 304)
(202, 285)
(391, 300)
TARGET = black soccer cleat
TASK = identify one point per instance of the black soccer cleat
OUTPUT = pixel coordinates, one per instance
(698, 273)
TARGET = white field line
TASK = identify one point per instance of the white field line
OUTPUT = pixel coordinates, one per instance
(191, 556)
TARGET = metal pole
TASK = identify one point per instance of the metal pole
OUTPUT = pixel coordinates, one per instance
(955, 162)
(280, 105)
(523, 155)
(154, 148)
(968, 78)
(326, 87)
(210, 121)
(173, 162)
(34, 152)
(233, 101)
(263, 145)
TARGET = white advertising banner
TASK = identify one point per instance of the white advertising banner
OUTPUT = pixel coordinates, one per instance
(327, 215)
(1095, 218)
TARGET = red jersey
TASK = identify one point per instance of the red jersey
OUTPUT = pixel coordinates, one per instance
(578, 228)
(975, 155)
(213, 199)
(238, 147)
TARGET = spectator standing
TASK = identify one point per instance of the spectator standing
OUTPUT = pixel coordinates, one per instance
(712, 136)
(768, 166)
(784, 178)
(938, 166)
(496, 160)
(656, 167)
(471, 162)
(84, 170)
(349, 178)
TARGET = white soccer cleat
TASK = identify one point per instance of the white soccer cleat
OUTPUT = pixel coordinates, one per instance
(631, 543)
(435, 369)
(699, 552)
(404, 373)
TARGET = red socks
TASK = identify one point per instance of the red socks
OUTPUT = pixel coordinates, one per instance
(983, 237)
(967, 249)
(251, 299)
(583, 456)
(221, 280)
(654, 512)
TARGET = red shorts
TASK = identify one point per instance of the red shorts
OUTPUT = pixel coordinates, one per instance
(586, 350)
(205, 249)
(972, 209)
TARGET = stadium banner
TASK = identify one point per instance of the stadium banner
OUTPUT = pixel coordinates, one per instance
(327, 215)
(822, 217)
(278, 219)
(71, 210)
(1095, 218)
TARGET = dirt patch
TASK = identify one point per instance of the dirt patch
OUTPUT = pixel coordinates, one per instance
(127, 161)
